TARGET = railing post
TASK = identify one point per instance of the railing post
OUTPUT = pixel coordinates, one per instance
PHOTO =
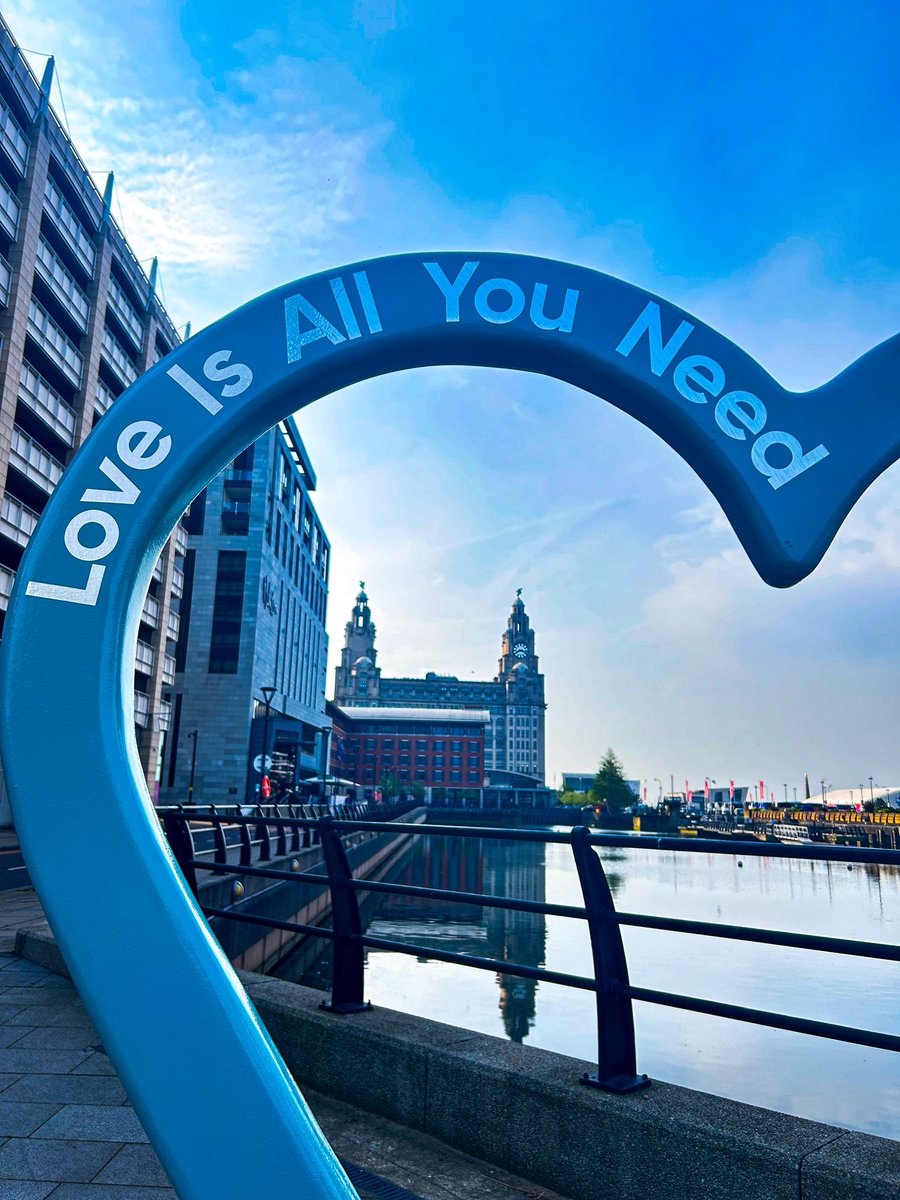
(262, 833)
(616, 1056)
(246, 845)
(178, 835)
(348, 972)
(220, 842)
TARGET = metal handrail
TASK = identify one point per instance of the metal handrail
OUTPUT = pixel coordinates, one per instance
(614, 993)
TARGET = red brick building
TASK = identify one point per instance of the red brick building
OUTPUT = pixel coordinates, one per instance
(430, 746)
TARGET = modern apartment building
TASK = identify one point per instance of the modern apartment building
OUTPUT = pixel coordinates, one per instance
(250, 677)
(79, 321)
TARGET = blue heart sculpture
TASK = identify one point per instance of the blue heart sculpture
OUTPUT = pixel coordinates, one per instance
(194, 1058)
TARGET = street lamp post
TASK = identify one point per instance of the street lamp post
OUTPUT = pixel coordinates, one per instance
(195, 733)
(871, 792)
(659, 797)
(268, 693)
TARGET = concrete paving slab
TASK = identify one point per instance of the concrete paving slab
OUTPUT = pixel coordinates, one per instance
(94, 1123)
(64, 1089)
(135, 1165)
(62, 1161)
(44, 1016)
(21, 1190)
(19, 1118)
(12, 1033)
(59, 1037)
(99, 1191)
(95, 1064)
(40, 1062)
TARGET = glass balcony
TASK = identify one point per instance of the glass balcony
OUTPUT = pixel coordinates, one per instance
(164, 716)
(54, 342)
(15, 143)
(144, 658)
(174, 625)
(126, 312)
(33, 461)
(104, 397)
(52, 270)
(141, 709)
(181, 540)
(168, 671)
(5, 280)
(7, 579)
(68, 224)
(238, 484)
(158, 569)
(150, 614)
(17, 520)
(177, 584)
(9, 212)
(118, 359)
(45, 402)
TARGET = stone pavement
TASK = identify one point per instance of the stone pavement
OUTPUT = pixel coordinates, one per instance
(68, 1132)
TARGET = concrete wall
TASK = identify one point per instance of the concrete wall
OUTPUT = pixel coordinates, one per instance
(523, 1109)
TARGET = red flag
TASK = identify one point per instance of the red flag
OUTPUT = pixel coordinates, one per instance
(690, 795)
(731, 790)
(706, 791)
(645, 795)
(762, 792)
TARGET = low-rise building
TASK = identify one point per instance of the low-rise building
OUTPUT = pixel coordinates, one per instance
(431, 747)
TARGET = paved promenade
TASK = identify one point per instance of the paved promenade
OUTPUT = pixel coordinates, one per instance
(68, 1132)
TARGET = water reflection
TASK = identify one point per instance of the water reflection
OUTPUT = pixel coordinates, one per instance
(493, 868)
(843, 1085)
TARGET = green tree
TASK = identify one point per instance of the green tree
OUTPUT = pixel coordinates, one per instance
(439, 795)
(388, 786)
(417, 791)
(578, 799)
(610, 786)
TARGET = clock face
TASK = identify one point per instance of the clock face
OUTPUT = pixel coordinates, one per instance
(520, 650)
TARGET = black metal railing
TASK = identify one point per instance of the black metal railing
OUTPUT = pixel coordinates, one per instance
(616, 1056)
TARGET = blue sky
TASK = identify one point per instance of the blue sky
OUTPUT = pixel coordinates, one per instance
(739, 160)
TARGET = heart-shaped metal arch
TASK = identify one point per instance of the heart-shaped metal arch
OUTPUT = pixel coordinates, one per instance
(190, 1049)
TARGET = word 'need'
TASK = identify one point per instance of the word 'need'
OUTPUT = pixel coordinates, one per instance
(699, 377)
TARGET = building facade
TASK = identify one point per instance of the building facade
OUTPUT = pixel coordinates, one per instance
(250, 669)
(79, 322)
(514, 698)
(433, 747)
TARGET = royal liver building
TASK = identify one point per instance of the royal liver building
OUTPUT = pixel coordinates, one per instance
(514, 740)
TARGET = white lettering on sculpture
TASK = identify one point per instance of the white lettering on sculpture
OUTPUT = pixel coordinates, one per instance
(698, 376)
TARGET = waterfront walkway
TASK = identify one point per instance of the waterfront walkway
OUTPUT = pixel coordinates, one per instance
(68, 1132)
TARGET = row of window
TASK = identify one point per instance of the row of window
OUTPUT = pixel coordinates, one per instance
(472, 777)
(404, 760)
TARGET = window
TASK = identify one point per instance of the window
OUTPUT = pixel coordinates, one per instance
(194, 519)
(225, 643)
(244, 461)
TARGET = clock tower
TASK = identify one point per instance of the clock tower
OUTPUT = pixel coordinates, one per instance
(517, 645)
(524, 692)
(356, 679)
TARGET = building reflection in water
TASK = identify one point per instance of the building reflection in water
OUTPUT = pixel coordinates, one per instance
(497, 868)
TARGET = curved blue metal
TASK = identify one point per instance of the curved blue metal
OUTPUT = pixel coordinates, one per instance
(190, 1049)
